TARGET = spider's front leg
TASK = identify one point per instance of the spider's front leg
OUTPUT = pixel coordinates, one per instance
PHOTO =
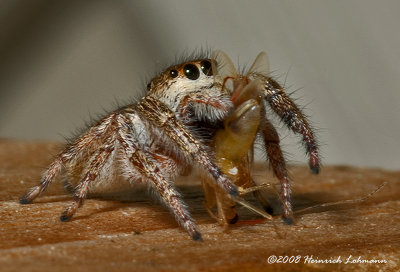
(146, 164)
(164, 123)
(292, 117)
(164, 119)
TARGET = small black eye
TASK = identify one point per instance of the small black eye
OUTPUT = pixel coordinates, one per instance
(206, 67)
(191, 71)
(149, 86)
(173, 73)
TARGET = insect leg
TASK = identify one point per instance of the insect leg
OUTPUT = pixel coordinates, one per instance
(293, 118)
(261, 199)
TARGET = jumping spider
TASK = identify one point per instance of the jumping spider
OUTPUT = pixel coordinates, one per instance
(167, 131)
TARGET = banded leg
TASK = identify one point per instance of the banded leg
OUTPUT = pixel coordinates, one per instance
(277, 162)
(71, 152)
(94, 168)
(48, 176)
(144, 164)
(163, 118)
(293, 118)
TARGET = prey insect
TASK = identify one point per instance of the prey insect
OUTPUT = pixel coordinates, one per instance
(164, 134)
(232, 146)
(234, 143)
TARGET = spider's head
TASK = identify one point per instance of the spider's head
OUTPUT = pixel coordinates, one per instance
(183, 78)
(193, 83)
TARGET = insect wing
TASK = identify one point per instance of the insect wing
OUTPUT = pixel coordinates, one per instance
(260, 65)
(222, 66)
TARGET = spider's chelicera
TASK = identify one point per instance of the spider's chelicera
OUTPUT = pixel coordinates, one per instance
(166, 132)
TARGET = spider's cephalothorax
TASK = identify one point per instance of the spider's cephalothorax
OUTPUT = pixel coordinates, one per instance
(149, 141)
(167, 131)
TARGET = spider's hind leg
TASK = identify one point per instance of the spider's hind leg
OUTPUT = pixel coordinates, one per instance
(69, 154)
(94, 168)
(50, 174)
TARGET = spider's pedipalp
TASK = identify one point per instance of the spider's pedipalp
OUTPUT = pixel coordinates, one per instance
(204, 107)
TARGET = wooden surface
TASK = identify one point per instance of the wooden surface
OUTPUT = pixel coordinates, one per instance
(130, 232)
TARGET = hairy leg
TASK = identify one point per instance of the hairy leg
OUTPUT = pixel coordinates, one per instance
(293, 118)
(160, 116)
(92, 172)
(70, 153)
(277, 162)
(145, 164)
(48, 176)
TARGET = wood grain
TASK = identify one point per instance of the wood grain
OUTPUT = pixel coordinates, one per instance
(127, 231)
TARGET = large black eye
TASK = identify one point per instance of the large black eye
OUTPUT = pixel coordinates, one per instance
(173, 73)
(206, 67)
(191, 71)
